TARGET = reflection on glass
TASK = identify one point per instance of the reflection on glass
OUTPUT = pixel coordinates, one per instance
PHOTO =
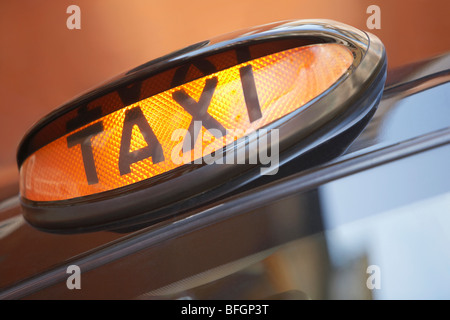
(383, 233)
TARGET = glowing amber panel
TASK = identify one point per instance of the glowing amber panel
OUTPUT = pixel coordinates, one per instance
(284, 82)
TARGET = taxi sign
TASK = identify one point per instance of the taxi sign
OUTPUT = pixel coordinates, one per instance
(172, 130)
(137, 142)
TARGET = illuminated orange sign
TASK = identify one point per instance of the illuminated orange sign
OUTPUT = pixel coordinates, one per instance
(140, 141)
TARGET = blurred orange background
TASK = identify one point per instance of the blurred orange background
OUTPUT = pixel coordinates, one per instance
(43, 64)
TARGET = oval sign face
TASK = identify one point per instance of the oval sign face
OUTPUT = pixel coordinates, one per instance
(182, 125)
(196, 124)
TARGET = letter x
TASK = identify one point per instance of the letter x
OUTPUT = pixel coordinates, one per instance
(199, 111)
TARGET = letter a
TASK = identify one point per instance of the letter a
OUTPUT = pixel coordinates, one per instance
(374, 21)
(74, 281)
(153, 149)
(373, 281)
(74, 20)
